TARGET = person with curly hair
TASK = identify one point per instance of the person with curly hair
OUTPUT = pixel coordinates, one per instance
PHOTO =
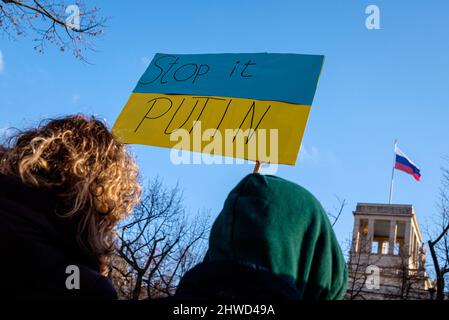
(63, 188)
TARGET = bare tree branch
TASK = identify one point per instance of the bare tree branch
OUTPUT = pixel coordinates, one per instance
(341, 205)
(51, 21)
(439, 247)
(157, 244)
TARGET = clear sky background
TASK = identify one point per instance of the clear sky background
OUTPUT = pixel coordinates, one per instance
(376, 85)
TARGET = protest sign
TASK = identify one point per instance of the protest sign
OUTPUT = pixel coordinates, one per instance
(222, 100)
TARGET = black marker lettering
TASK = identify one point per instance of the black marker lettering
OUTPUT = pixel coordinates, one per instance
(198, 74)
(204, 107)
(233, 69)
(221, 120)
(153, 103)
(183, 66)
(171, 66)
(253, 109)
(173, 117)
(159, 67)
(249, 63)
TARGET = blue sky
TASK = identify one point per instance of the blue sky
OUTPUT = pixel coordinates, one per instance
(376, 85)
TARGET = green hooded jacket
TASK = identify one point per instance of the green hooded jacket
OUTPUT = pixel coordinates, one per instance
(273, 223)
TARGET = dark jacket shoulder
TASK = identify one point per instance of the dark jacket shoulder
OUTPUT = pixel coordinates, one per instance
(230, 280)
(39, 250)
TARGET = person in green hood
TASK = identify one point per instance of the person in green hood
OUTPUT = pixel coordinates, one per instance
(272, 240)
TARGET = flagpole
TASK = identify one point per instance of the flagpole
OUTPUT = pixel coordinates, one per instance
(392, 173)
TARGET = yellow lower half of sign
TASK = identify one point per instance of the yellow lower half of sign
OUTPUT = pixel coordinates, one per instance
(267, 131)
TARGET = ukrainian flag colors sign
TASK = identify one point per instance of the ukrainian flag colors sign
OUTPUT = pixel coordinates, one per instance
(226, 93)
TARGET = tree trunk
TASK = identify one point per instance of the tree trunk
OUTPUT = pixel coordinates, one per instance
(137, 287)
(440, 276)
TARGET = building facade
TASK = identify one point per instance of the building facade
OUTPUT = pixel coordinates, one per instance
(387, 257)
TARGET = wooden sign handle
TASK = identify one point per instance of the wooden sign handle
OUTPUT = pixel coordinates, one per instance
(257, 167)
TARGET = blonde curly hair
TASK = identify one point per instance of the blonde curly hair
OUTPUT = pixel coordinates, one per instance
(92, 173)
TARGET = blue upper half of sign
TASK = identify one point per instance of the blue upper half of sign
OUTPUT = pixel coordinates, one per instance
(282, 77)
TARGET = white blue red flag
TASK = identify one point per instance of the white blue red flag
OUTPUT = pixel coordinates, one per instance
(404, 163)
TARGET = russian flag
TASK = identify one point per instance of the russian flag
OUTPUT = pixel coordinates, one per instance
(403, 163)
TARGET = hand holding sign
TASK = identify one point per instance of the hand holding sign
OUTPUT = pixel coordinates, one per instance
(223, 104)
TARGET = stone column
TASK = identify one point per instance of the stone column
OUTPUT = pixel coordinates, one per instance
(356, 235)
(392, 237)
(407, 236)
(370, 234)
(413, 247)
